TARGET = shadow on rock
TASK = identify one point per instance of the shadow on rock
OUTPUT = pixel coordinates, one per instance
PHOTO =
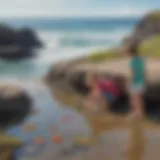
(151, 102)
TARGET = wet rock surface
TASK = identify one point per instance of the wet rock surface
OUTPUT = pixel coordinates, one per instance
(15, 105)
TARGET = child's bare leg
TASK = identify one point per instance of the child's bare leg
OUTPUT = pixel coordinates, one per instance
(137, 106)
(140, 109)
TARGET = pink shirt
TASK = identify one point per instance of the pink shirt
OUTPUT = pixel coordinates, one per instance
(108, 86)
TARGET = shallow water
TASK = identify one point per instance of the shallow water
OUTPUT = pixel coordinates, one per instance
(51, 120)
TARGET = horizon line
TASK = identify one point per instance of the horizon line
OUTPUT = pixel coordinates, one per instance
(70, 17)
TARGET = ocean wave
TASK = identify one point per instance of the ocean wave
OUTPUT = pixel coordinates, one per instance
(66, 45)
(81, 39)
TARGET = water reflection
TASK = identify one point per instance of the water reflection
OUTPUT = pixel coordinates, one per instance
(50, 120)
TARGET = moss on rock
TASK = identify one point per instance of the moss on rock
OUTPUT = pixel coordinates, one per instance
(154, 14)
(151, 46)
(102, 55)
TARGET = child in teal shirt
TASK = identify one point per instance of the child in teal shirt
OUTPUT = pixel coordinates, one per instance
(137, 86)
(138, 77)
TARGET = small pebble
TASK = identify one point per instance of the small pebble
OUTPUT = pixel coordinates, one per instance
(57, 139)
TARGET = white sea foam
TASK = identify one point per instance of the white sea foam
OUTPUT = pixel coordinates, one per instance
(62, 45)
(82, 38)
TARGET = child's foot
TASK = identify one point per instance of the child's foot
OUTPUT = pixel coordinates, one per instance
(134, 117)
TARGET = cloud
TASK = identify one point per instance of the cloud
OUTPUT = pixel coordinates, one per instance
(61, 8)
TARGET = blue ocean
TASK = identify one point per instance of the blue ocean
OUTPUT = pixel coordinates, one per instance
(65, 38)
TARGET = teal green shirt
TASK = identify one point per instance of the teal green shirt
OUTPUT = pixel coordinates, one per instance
(137, 65)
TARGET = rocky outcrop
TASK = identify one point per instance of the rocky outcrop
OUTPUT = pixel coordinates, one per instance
(17, 43)
(74, 77)
(147, 27)
(15, 104)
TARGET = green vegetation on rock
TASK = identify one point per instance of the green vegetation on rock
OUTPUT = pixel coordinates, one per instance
(104, 55)
(151, 47)
(154, 14)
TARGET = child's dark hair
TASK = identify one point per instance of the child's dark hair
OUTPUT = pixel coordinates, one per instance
(133, 49)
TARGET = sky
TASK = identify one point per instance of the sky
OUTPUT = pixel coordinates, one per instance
(76, 8)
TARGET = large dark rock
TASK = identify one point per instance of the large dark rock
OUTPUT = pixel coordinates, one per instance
(15, 53)
(16, 44)
(15, 105)
(27, 38)
(7, 35)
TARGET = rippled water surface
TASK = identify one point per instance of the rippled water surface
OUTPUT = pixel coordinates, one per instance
(50, 120)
